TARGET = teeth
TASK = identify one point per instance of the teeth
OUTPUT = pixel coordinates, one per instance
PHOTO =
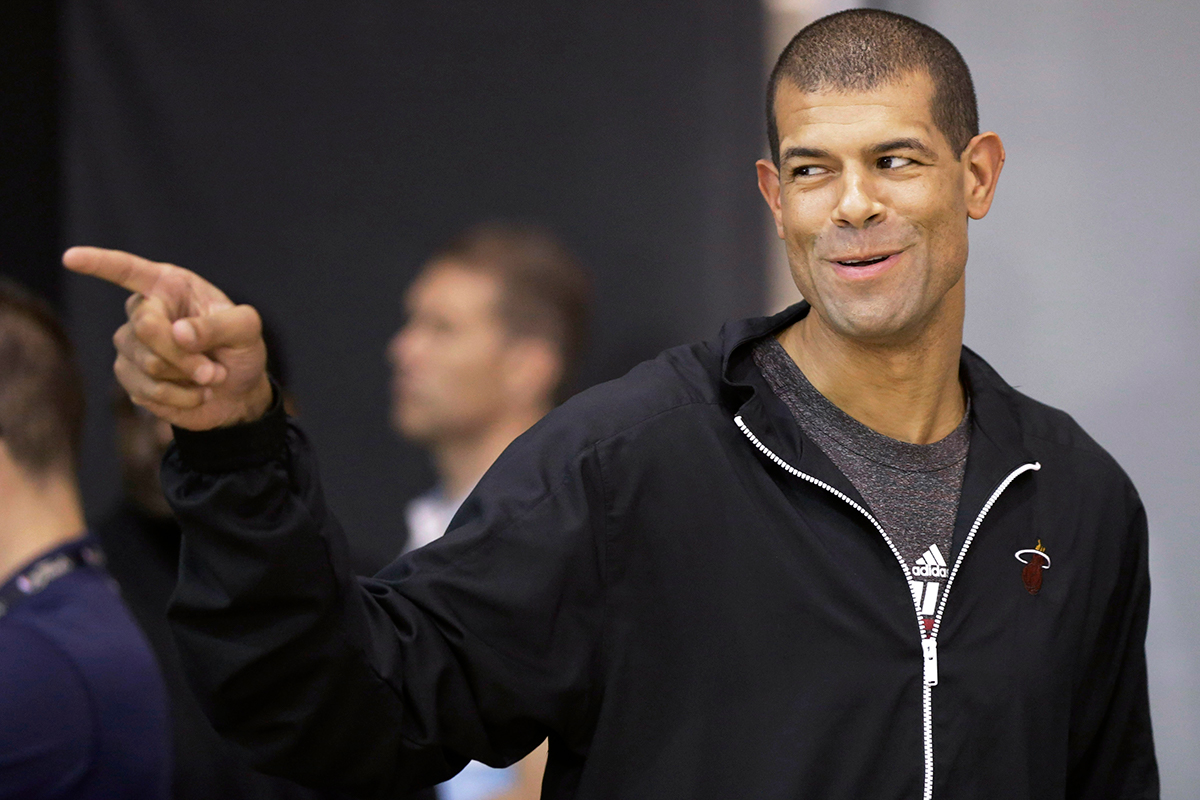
(863, 262)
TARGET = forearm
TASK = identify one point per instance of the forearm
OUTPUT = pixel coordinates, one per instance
(477, 646)
(273, 626)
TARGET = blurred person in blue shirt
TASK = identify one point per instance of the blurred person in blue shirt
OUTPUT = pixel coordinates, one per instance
(83, 710)
(496, 323)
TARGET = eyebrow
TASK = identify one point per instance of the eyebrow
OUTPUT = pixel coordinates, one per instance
(903, 144)
(804, 152)
(907, 143)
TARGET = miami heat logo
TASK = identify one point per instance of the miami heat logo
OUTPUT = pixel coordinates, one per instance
(1035, 561)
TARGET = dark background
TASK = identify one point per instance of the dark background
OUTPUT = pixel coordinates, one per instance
(30, 186)
(308, 157)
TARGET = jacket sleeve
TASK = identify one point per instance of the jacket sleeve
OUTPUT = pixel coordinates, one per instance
(1111, 743)
(475, 647)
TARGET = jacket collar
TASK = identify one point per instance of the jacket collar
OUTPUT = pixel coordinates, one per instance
(746, 390)
(997, 439)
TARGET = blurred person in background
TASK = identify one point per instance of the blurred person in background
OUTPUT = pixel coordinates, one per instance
(141, 541)
(83, 709)
(496, 323)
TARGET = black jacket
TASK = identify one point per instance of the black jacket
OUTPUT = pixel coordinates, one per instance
(142, 553)
(670, 581)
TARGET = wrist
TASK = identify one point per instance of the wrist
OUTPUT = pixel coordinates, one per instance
(238, 444)
(257, 403)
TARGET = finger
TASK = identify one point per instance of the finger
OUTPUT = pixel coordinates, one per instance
(239, 326)
(132, 272)
(146, 359)
(150, 328)
(145, 390)
(187, 292)
(132, 302)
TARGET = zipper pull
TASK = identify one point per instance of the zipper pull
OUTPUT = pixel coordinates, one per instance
(929, 650)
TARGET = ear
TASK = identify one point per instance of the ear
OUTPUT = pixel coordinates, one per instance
(533, 368)
(983, 159)
(768, 184)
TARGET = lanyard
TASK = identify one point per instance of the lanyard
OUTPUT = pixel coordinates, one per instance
(38, 575)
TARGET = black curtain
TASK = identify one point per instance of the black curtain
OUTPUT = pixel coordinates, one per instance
(29, 125)
(308, 157)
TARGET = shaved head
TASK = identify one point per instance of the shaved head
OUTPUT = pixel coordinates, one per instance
(861, 49)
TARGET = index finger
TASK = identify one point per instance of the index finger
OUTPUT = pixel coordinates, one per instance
(132, 272)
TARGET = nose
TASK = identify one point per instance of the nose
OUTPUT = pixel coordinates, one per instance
(857, 207)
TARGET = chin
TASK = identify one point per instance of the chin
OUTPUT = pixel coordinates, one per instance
(409, 425)
(872, 325)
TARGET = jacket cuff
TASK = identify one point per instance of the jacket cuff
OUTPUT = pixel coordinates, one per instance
(248, 444)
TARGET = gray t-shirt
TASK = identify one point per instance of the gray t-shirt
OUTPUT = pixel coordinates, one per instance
(911, 489)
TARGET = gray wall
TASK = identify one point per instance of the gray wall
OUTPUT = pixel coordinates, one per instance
(1084, 281)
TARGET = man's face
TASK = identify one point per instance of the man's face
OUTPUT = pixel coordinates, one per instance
(448, 359)
(872, 207)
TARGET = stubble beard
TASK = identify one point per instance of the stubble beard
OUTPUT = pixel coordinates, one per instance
(885, 313)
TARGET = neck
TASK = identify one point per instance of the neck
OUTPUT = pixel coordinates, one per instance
(37, 515)
(461, 461)
(908, 390)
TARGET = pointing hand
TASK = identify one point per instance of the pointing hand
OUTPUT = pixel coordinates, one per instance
(186, 352)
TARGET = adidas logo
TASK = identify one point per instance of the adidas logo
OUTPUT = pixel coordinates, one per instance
(931, 565)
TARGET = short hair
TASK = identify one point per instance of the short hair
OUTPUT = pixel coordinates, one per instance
(862, 48)
(41, 390)
(544, 292)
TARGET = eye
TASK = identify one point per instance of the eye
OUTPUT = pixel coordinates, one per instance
(894, 162)
(808, 171)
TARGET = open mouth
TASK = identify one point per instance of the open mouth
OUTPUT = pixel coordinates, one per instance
(866, 262)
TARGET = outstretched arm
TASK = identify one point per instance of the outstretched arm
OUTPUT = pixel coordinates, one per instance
(478, 646)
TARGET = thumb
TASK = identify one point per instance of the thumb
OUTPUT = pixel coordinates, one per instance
(236, 326)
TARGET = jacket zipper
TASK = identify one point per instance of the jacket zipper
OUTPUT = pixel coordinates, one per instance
(928, 643)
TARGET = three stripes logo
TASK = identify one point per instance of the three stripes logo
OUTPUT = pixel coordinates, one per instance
(931, 565)
(925, 593)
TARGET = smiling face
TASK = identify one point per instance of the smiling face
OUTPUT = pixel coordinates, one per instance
(872, 205)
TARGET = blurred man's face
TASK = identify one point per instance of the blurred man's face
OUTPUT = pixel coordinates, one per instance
(870, 202)
(448, 359)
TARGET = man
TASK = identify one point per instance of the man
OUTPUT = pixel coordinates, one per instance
(82, 707)
(697, 580)
(496, 323)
